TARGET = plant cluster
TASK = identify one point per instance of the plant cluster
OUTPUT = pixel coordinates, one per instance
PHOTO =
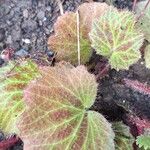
(49, 107)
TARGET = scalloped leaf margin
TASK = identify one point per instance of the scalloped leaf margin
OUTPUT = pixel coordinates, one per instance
(64, 41)
(143, 141)
(13, 79)
(115, 37)
(123, 138)
(58, 117)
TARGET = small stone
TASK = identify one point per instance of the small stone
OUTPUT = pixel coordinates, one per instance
(21, 53)
(49, 8)
(2, 34)
(41, 15)
(50, 53)
(44, 19)
(27, 41)
(29, 25)
(25, 13)
(40, 23)
(47, 31)
(16, 35)
(9, 40)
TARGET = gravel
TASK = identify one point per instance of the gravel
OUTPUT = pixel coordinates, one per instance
(31, 19)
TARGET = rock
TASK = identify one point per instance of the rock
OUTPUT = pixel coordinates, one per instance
(9, 39)
(2, 34)
(49, 9)
(25, 13)
(21, 53)
(41, 15)
(16, 35)
(27, 41)
(50, 53)
(29, 25)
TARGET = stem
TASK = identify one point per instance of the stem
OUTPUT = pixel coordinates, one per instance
(103, 72)
(78, 36)
(134, 4)
(8, 142)
(143, 11)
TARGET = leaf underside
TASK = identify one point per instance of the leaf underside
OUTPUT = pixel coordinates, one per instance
(115, 37)
(57, 116)
(13, 79)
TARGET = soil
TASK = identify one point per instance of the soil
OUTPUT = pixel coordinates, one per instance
(26, 25)
(115, 99)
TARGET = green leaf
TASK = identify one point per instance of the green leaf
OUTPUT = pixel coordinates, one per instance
(123, 138)
(57, 115)
(115, 37)
(147, 56)
(144, 21)
(13, 79)
(123, 59)
(143, 141)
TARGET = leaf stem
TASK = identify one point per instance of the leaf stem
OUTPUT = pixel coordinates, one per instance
(78, 36)
(8, 142)
(103, 72)
(143, 11)
(134, 4)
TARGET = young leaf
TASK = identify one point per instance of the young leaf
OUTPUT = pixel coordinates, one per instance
(57, 116)
(143, 141)
(144, 21)
(13, 80)
(147, 56)
(64, 42)
(115, 37)
(123, 138)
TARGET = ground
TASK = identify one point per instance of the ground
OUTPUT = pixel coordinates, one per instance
(26, 25)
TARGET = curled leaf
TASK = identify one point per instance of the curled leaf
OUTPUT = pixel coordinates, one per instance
(64, 41)
(58, 117)
(13, 79)
(115, 37)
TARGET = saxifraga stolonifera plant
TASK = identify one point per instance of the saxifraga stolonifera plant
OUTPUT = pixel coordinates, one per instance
(48, 107)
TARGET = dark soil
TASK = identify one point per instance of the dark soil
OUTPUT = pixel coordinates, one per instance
(115, 99)
(25, 25)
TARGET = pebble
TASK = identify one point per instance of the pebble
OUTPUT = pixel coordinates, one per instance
(16, 35)
(22, 53)
(49, 8)
(41, 15)
(2, 34)
(50, 53)
(9, 39)
(27, 41)
(25, 13)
